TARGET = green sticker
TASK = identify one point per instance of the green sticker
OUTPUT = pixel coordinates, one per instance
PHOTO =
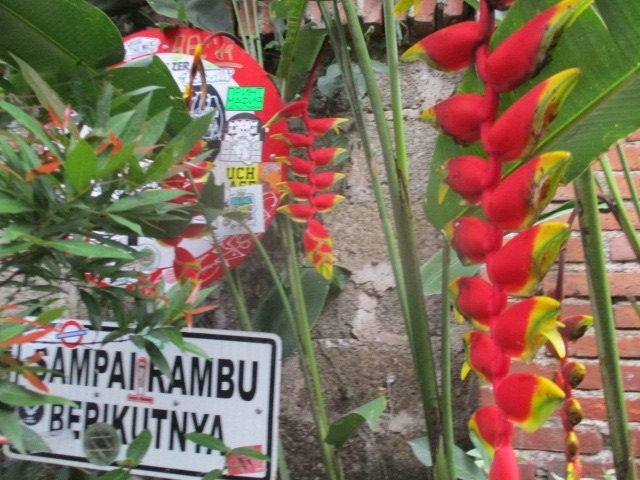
(245, 98)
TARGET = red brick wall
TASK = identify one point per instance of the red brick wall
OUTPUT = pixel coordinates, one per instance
(420, 21)
(543, 450)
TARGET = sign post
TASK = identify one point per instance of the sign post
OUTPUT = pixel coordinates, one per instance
(232, 395)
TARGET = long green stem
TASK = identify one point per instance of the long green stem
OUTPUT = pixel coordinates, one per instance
(604, 326)
(628, 176)
(618, 204)
(307, 355)
(419, 339)
(339, 42)
(445, 363)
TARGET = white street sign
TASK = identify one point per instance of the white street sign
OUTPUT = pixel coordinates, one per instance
(233, 395)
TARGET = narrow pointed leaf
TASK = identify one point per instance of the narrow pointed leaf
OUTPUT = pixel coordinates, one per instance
(344, 427)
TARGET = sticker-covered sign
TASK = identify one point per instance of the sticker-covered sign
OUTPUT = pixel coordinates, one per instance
(243, 98)
(118, 392)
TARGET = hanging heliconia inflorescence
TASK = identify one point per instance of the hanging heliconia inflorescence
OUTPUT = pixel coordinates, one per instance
(510, 321)
(309, 193)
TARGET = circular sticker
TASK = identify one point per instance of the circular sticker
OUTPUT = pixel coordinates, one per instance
(101, 444)
(243, 98)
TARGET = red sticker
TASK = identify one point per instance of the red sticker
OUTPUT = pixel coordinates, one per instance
(243, 98)
(239, 464)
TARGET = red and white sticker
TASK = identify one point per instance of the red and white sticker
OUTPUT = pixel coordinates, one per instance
(243, 98)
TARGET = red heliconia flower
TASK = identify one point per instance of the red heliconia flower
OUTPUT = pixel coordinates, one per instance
(185, 265)
(298, 212)
(489, 429)
(325, 202)
(299, 191)
(519, 199)
(484, 357)
(297, 108)
(526, 51)
(322, 126)
(472, 238)
(527, 399)
(476, 301)
(575, 327)
(469, 176)
(324, 156)
(519, 266)
(296, 140)
(516, 132)
(319, 248)
(526, 326)
(572, 413)
(504, 465)
(459, 116)
(325, 180)
(573, 373)
(299, 166)
(449, 49)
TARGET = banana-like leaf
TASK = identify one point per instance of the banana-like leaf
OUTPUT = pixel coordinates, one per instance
(601, 109)
(206, 14)
(271, 315)
(293, 11)
(58, 34)
(344, 427)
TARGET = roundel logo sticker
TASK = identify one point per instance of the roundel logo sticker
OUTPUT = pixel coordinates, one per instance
(71, 333)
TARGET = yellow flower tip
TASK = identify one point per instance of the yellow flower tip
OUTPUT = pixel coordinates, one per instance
(414, 53)
(443, 189)
(428, 116)
(465, 370)
(555, 339)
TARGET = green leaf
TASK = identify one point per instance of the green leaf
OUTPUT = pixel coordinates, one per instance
(420, 448)
(431, 272)
(22, 438)
(212, 195)
(271, 316)
(10, 206)
(344, 427)
(58, 35)
(251, 453)
(139, 74)
(86, 249)
(466, 468)
(18, 396)
(157, 358)
(143, 199)
(134, 227)
(210, 16)
(81, 166)
(207, 441)
(305, 52)
(213, 475)
(32, 125)
(293, 11)
(51, 314)
(179, 146)
(195, 349)
(138, 448)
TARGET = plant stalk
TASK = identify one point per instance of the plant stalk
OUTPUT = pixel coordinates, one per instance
(445, 363)
(308, 359)
(620, 211)
(604, 324)
(416, 317)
